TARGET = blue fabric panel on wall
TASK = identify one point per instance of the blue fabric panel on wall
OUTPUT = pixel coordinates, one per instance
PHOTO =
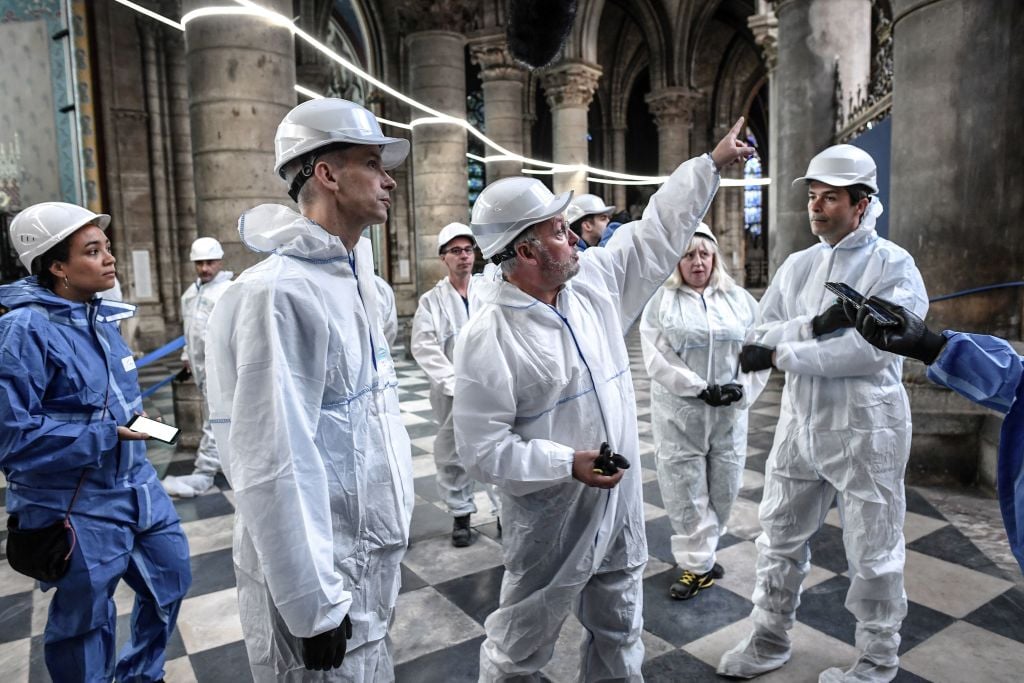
(878, 143)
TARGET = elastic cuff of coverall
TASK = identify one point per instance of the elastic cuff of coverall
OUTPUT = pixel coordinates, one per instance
(707, 155)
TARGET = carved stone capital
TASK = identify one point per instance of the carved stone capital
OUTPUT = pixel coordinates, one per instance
(765, 28)
(570, 84)
(672, 107)
(496, 63)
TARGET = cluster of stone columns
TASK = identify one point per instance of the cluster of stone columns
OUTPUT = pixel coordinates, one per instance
(954, 187)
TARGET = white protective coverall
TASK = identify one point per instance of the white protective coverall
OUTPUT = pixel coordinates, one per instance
(441, 313)
(690, 340)
(304, 403)
(388, 312)
(534, 384)
(196, 305)
(844, 428)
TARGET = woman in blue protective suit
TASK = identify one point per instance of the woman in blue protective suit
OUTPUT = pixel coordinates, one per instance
(981, 368)
(68, 385)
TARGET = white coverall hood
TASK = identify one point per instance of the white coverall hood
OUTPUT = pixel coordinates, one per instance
(304, 403)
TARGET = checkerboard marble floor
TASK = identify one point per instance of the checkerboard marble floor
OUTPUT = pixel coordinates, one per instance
(965, 623)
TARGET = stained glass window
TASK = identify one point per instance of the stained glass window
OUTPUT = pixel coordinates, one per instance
(752, 194)
(475, 169)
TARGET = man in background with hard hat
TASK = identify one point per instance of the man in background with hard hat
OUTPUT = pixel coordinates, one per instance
(304, 403)
(542, 381)
(844, 428)
(196, 305)
(588, 217)
(441, 313)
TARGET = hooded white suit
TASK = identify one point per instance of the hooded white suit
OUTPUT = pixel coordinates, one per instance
(844, 432)
(197, 304)
(304, 403)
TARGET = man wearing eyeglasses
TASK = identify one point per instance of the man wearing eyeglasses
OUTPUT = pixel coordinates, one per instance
(441, 314)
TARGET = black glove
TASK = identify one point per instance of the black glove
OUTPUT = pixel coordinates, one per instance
(721, 395)
(608, 463)
(831, 319)
(731, 393)
(911, 338)
(712, 395)
(755, 357)
(326, 651)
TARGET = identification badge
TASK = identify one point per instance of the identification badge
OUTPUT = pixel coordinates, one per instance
(128, 363)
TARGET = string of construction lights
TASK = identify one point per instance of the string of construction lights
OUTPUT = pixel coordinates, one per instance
(434, 117)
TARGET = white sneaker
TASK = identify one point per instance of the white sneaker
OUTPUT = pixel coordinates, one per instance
(759, 653)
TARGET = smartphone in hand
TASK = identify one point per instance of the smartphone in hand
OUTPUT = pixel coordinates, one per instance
(158, 430)
(845, 292)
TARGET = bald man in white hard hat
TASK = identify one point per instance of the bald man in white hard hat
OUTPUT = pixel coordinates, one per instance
(207, 255)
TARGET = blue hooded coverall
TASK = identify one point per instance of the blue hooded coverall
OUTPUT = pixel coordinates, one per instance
(987, 371)
(60, 361)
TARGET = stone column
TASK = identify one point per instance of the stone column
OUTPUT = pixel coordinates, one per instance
(165, 275)
(181, 153)
(503, 82)
(956, 192)
(619, 164)
(673, 110)
(437, 78)
(813, 35)
(241, 77)
(569, 87)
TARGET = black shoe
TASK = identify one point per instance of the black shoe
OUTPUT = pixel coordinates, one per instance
(462, 535)
(689, 584)
(717, 571)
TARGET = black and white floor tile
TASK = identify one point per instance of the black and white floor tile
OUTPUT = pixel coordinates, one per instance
(966, 618)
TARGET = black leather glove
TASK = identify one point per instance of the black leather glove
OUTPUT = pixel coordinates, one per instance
(326, 650)
(830, 320)
(755, 357)
(608, 463)
(911, 338)
(712, 395)
(731, 393)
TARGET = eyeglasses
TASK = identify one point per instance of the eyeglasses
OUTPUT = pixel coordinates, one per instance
(459, 251)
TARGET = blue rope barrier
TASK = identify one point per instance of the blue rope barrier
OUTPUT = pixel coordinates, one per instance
(159, 385)
(169, 347)
(975, 290)
(153, 356)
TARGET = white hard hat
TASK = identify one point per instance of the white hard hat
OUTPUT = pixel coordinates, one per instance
(206, 249)
(586, 205)
(704, 231)
(508, 206)
(842, 166)
(450, 232)
(328, 121)
(40, 227)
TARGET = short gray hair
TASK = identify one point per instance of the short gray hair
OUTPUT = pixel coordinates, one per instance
(508, 266)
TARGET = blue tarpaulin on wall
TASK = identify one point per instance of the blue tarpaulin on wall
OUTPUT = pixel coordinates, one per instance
(878, 142)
